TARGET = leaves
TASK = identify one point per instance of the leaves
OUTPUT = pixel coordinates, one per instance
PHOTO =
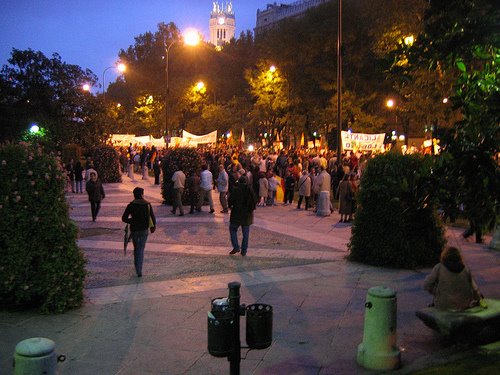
(40, 263)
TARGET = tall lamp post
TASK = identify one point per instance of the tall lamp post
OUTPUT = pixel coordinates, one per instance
(339, 82)
(191, 38)
(121, 68)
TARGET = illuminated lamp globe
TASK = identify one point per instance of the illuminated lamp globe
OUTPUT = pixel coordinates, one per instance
(191, 37)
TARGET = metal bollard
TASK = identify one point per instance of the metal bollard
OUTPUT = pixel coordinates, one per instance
(36, 356)
(378, 351)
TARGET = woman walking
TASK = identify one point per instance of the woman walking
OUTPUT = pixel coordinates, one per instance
(96, 194)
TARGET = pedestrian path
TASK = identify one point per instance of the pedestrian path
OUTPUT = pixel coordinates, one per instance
(160, 327)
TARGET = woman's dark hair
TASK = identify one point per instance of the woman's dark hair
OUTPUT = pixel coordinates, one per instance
(452, 259)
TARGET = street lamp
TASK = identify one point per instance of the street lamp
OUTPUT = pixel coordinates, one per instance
(391, 104)
(120, 67)
(200, 86)
(339, 81)
(191, 38)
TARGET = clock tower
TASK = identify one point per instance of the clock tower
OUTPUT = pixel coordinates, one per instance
(222, 24)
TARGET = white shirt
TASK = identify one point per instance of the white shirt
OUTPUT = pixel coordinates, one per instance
(206, 180)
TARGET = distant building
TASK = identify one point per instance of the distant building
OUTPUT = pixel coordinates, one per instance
(222, 23)
(274, 13)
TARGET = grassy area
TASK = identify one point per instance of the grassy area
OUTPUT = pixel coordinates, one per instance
(481, 361)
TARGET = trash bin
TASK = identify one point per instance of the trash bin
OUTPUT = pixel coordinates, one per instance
(220, 325)
(259, 332)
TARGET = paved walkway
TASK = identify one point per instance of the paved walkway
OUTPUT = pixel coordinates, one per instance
(160, 327)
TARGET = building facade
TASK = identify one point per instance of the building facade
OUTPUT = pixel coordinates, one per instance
(274, 13)
(222, 23)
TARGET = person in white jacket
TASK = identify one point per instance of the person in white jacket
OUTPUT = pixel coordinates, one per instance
(206, 185)
(222, 187)
(272, 187)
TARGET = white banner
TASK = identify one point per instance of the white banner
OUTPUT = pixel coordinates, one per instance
(362, 141)
(198, 139)
(181, 142)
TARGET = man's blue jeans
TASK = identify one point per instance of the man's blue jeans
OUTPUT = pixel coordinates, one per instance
(233, 231)
(139, 239)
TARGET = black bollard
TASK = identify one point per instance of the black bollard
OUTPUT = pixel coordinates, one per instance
(234, 357)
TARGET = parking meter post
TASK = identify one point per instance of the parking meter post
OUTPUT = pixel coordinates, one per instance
(234, 305)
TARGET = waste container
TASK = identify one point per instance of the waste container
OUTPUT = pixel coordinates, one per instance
(259, 330)
(220, 325)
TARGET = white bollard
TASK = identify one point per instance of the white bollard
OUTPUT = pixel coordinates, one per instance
(36, 356)
(323, 207)
(378, 351)
(131, 172)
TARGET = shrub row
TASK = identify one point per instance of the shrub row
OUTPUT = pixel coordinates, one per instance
(40, 262)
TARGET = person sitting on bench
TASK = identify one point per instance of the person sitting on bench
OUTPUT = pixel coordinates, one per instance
(451, 283)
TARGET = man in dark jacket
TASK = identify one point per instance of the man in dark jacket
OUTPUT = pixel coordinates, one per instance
(242, 202)
(96, 194)
(139, 214)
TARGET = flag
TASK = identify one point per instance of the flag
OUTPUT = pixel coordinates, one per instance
(242, 138)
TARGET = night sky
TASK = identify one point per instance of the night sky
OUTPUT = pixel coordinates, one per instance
(90, 33)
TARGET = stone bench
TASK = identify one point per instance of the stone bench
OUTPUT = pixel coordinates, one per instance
(465, 323)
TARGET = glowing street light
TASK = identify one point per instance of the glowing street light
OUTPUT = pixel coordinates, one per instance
(389, 103)
(409, 40)
(86, 87)
(34, 129)
(200, 86)
(191, 37)
(120, 67)
(272, 69)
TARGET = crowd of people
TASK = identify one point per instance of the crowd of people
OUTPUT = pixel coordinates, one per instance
(247, 180)
(302, 174)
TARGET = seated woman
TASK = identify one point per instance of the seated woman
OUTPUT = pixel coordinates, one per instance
(451, 283)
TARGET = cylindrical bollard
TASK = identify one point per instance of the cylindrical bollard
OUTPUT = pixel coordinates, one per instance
(131, 172)
(145, 172)
(323, 208)
(378, 351)
(36, 356)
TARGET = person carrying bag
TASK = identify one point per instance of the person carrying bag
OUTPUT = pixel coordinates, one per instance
(140, 216)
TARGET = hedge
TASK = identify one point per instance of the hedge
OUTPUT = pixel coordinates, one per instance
(396, 222)
(40, 262)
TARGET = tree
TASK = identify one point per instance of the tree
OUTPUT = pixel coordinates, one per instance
(462, 36)
(48, 92)
(270, 89)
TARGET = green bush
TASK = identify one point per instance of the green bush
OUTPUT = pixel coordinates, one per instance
(396, 223)
(71, 151)
(40, 263)
(107, 163)
(187, 159)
